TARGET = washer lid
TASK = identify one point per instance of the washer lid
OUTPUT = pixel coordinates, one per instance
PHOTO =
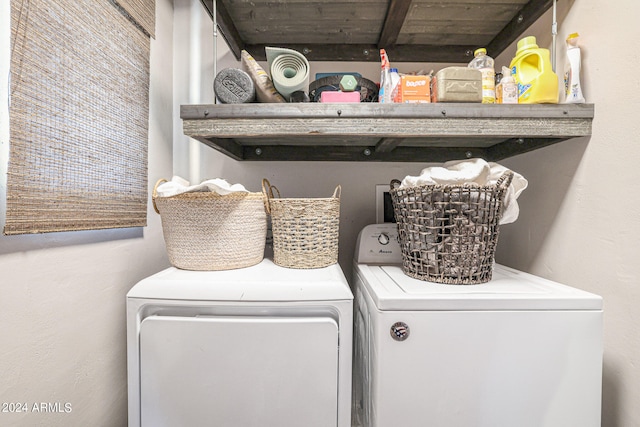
(509, 289)
(262, 282)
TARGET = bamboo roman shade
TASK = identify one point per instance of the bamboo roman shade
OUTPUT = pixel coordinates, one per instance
(142, 12)
(78, 117)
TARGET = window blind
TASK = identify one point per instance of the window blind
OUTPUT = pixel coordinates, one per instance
(78, 118)
(142, 12)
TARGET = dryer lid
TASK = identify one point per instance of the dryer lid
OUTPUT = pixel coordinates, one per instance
(509, 289)
(262, 282)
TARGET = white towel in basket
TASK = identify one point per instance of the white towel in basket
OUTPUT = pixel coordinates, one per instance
(474, 171)
(179, 185)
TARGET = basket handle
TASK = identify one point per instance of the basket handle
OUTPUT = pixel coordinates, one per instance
(155, 194)
(505, 180)
(337, 192)
(503, 184)
(267, 190)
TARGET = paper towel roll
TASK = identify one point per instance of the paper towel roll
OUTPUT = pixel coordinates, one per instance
(289, 70)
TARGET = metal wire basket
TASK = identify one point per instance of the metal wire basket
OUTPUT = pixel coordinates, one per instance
(449, 233)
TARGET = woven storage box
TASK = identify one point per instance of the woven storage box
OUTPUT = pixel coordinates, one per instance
(448, 233)
(207, 231)
(305, 231)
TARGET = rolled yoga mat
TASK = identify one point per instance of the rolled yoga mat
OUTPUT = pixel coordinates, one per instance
(289, 70)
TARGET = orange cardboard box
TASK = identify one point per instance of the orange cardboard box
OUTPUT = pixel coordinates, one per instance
(414, 89)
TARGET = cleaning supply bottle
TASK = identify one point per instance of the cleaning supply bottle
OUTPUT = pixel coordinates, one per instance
(531, 69)
(509, 89)
(484, 63)
(384, 95)
(395, 84)
(499, 88)
(572, 88)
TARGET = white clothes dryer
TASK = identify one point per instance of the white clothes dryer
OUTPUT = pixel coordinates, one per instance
(261, 346)
(516, 351)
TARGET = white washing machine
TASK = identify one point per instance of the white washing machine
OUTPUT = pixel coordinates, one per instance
(516, 351)
(261, 346)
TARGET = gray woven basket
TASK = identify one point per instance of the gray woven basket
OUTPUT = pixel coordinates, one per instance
(305, 230)
(449, 233)
(207, 231)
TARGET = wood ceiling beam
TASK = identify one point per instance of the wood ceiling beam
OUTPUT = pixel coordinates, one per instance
(357, 154)
(370, 52)
(522, 20)
(396, 15)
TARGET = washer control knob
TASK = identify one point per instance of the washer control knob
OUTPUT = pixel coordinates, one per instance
(383, 239)
(399, 331)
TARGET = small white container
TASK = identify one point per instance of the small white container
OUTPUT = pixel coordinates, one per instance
(508, 87)
(572, 87)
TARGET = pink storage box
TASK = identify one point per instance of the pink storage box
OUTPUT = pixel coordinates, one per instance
(335, 96)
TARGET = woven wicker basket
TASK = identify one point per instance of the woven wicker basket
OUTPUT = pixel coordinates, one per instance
(207, 231)
(305, 231)
(449, 233)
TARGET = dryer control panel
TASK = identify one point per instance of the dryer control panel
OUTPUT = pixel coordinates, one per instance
(378, 244)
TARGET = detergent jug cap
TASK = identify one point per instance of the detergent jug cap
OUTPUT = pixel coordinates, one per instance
(573, 36)
(527, 43)
(480, 51)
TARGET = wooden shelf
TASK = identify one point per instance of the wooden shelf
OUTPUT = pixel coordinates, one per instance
(355, 30)
(383, 132)
(410, 31)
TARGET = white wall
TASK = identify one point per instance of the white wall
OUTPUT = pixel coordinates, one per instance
(62, 295)
(579, 217)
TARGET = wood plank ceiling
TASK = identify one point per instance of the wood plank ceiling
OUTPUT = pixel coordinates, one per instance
(410, 30)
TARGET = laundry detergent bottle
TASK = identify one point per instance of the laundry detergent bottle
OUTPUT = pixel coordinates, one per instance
(532, 71)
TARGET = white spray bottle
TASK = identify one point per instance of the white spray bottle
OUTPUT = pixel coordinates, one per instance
(509, 87)
(573, 90)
